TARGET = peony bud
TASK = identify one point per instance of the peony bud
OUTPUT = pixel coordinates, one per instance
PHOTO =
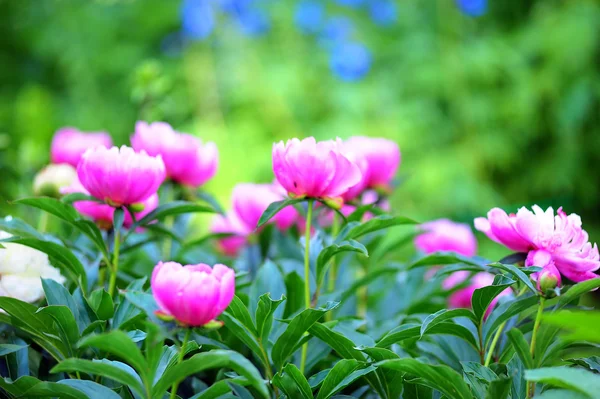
(548, 279)
(194, 295)
(54, 177)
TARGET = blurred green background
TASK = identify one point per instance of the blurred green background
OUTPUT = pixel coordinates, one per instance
(500, 109)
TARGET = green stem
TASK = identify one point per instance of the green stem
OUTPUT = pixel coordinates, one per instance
(169, 222)
(179, 359)
(536, 326)
(306, 275)
(363, 294)
(115, 264)
(335, 229)
(43, 222)
(488, 359)
(481, 347)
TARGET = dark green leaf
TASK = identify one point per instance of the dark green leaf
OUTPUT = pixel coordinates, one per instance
(286, 343)
(483, 297)
(102, 304)
(441, 378)
(518, 273)
(67, 326)
(57, 294)
(345, 372)
(274, 208)
(577, 290)
(375, 224)
(237, 328)
(264, 315)
(120, 345)
(329, 252)
(293, 383)
(102, 368)
(449, 258)
(238, 310)
(582, 325)
(499, 389)
(171, 209)
(126, 311)
(561, 394)
(592, 362)
(578, 380)
(504, 312)
(5, 349)
(521, 347)
(52, 206)
(216, 359)
(91, 389)
(74, 197)
(18, 227)
(390, 379)
(118, 218)
(443, 315)
(400, 333)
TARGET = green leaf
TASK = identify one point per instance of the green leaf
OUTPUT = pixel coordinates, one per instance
(578, 380)
(199, 241)
(504, 312)
(264, 315)
(127, 311)
(18, 227)
(499, 389)
(483, 297)
(216, 359)
(443, 315)
(360, 211)
(518, 273)
(345, 372)
(390, 379)
(329, 252)
(577, 290)
(441, 378)
(67, 326)
(518, 342)
(293, 383)
(582, 325)
(398, 334)
(171, 209)
(5, 349)
(102, 304)
(238, 329)
(118, 218)
(47, 389)
(57, 294)
(220, 388)
(287, 341)
(449, 258)
(561, 394)
(275, 207)
(62, 258)
(104, 368)
(74, 197)
(592, 363)
(120, 345)
(338, 342)
(374, 224)
(91, 389)
(238, 310)
(367, 279)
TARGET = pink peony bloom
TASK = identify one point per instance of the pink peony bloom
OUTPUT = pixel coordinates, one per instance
(194, 295)
(446, 235)
(187, 160)
(120, 176)
(69, 144)
(383, 159)
(355, 155)
(231, 224)
(551, 241)
(314, 169)
(251, 200)
(462, 297)
(103, 214)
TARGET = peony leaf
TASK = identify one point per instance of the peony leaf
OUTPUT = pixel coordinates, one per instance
(329, 252)
(578, 380)
(293, 383)
(483, 297)
(171, 209)
(516, 338)
(443, 315)
(355, 231)
(264, 315)
(275, 207)
(344, 373)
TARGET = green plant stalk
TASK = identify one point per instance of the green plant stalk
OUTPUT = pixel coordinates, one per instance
(115, 264)
(306, 276)
(43, 222)
(179, 359)
(169, 222)
(481, 347)
(363, 294)
(536, 327)
(488, 359)
(335, 229)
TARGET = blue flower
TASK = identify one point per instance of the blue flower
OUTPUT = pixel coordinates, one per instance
(351, 3)
(309, 16)
(253, 22)
(383, 12)
(337, 29)
(472, 8)
(198, 20)
(350, 61)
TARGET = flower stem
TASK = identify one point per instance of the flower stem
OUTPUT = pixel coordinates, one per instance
(488, 359)
(43, 222)
(169, 222)
(306, 275)
(186, 338)
(335, 228)
(481, 348)
(115, 264)
(536, 327)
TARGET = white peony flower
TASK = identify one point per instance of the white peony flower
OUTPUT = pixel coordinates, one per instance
(50, 180)
(21, 271)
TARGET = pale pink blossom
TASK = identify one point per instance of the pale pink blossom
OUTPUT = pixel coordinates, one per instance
(69, 144)
(383, 159)
(446, 235)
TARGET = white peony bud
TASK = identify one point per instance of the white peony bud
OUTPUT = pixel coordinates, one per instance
(21, 271)
(52, 178)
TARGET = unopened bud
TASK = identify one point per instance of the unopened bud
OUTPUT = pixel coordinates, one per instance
(50, 180)
(334, 203)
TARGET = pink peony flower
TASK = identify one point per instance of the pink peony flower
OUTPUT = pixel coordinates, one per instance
(231, 224)
(120, 176)
(446, 235)
(355, 155)
(314, 169)
(103, 214)
(188, 161)
(251, 200)
(383, 159)
(462, 298)
(551, 241)
(194, 295)
(69, 144)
